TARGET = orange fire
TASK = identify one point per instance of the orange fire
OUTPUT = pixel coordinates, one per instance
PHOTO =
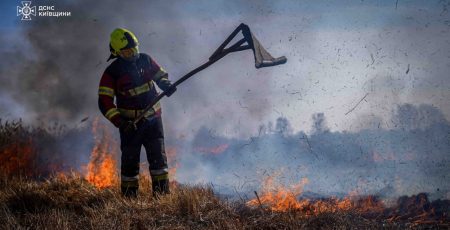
(280, 198)
(102, 167)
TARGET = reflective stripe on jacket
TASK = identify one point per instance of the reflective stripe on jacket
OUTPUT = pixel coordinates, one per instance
(126, 88)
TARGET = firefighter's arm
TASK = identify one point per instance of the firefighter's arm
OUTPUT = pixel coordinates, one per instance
(106, 104)
(161, 78)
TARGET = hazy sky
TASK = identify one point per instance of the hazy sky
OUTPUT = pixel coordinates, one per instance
(394, 52)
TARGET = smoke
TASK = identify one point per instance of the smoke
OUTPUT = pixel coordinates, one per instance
(409, 159)
(409, 117)
(55, 64)
(395, 141)
(55, 74)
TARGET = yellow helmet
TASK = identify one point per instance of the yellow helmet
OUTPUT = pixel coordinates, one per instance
(122, 39)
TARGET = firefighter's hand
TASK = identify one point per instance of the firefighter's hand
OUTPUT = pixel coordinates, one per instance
(127, 127)
(170, 90)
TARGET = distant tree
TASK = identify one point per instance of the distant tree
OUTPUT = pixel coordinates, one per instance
(262, 130)
(283, 126)
(408, 116)
(270, 127)
(319, 123)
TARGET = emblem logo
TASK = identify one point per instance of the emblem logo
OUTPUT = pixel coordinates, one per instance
(26, 10)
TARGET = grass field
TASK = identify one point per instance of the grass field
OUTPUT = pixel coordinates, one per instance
(37, 192)
(70, 202)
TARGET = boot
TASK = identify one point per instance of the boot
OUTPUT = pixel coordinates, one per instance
(160, 186)
(130, 192)
(130, 188)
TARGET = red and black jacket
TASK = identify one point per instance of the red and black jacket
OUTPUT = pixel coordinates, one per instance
(132, 85)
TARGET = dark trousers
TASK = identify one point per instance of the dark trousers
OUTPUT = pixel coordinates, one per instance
(149, 134)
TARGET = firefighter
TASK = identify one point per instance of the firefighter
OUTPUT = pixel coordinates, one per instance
(130, 79)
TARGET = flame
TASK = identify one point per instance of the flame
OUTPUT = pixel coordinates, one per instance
(280, 198)
(416, 209)
(102, 167)
(173, 165)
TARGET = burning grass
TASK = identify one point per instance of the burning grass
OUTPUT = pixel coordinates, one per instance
(36, 151)
(71, 202)
(36, 194)
(102, 167)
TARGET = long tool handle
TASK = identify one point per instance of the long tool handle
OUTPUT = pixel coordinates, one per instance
(217, 55)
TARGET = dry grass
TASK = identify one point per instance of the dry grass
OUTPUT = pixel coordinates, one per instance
(70, 202)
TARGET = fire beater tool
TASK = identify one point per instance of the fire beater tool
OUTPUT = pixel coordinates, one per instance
(262, 59)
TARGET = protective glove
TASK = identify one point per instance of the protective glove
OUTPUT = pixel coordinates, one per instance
(127, 127)
(170, 90)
